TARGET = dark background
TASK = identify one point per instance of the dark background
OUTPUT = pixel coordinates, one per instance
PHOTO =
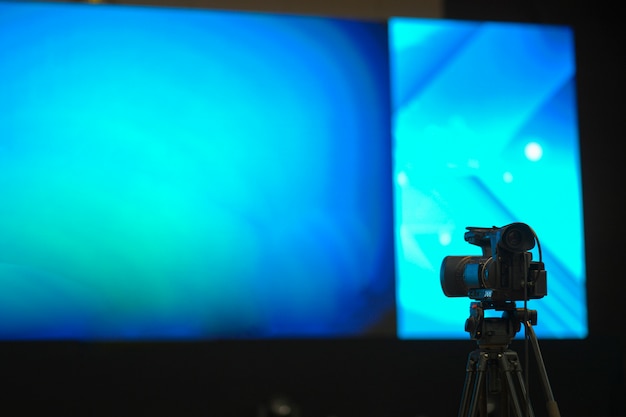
(375, 377)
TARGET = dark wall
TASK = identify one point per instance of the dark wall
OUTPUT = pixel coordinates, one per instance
(375, 377)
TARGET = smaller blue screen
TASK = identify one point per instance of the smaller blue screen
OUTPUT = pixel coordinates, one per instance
(485, 134)
(186, 174)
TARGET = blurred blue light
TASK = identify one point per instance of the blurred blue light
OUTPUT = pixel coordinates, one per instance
(171, 173)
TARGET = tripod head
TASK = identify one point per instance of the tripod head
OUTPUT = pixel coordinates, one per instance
(497, 332)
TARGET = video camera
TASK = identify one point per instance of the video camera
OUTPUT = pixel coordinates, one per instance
(505, 272)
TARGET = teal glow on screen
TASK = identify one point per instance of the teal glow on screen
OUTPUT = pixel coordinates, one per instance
(172, 173)
(485, 134)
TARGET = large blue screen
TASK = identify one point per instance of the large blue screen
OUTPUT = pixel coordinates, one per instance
(179, 174)
(485, 134)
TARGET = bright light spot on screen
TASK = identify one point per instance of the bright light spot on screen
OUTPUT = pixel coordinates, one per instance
(507, 177)
(533, 151)
(473, 163)
(402, 179)
(445, 238)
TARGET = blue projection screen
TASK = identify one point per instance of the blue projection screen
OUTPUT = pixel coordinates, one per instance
(186, 174)
(485, 134)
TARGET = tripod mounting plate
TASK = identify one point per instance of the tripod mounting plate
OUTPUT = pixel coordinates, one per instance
(494, 332)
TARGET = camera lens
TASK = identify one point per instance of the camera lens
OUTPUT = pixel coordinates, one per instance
(451, 275)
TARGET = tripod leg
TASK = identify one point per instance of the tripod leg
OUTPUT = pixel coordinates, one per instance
(520, 381)
(479, 397)
(468, 386)
(473, 388)
(509, 363)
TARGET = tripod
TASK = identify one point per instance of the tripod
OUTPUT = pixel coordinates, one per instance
(494, 385)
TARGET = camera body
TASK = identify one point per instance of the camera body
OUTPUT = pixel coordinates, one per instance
(505, 271)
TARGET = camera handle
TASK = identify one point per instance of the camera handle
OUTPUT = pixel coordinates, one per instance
(493, 382)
